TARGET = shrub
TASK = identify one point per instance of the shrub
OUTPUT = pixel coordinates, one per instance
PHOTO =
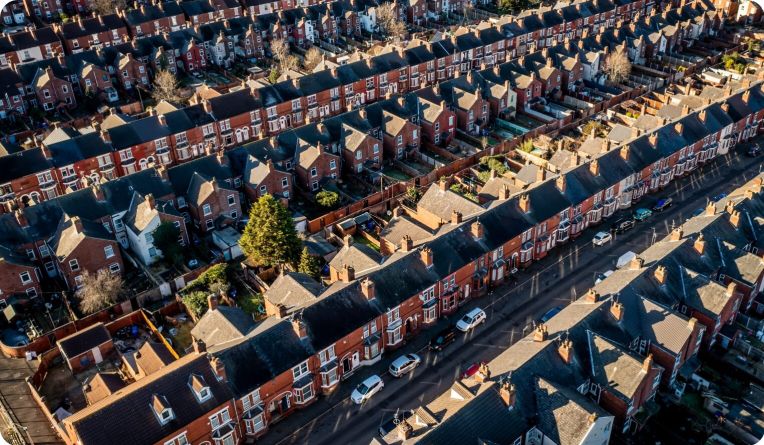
(327, 198)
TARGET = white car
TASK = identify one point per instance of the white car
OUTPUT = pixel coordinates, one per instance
(601, 238)
(404, 364)
(366, 389)
(471, 319)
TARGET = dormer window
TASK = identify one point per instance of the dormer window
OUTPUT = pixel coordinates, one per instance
(162, 409)
(199, 387)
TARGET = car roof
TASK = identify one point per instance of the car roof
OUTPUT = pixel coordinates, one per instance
(401, 360)
(474, 311)
(372, 379)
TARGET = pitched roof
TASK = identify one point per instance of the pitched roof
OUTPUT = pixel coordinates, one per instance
(85, 340)
(127, 416)
(222, 325)
(293, 290)
(443, 203)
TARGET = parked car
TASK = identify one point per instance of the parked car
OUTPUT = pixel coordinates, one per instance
(471, 319)
(662, 204)
(642, 214)
(550, 313)
(443, 338)
(389, 426)
(404, 364)
(366, 389)
(698, 212)
(600, 238)
(622, 225)
(602, 276)
(719, 197)
(754, 151)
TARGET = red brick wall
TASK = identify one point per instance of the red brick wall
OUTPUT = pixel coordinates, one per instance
(10, 279)
(91, 258)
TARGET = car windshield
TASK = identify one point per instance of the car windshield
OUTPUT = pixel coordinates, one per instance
(467, 319)
(411, 357)
(362, 388)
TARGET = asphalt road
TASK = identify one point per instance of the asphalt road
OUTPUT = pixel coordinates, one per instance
(564, 275)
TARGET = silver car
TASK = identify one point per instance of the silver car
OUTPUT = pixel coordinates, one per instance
(404, 364)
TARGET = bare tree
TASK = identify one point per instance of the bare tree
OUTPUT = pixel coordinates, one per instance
(283, 55)
(99, 291)
(389, 22)
(312, 58)
(617, 65)
(105, 7)
(166, 87)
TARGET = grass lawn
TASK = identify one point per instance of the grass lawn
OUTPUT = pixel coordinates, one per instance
(362, 240)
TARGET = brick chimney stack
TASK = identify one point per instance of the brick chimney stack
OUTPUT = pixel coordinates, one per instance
(426, 256)
(541, 333)
(660, 274)
(700, 245)
(299, 328)
(525, 203)
(347, 273)
(566, 351)
(616, 310)
(367, 288)
(507, 394)
(735, 218)
(476, 228)
(456, 217)
(676, 234)
(636, 263)
(212, 302)
(592, 296)
(407, 244)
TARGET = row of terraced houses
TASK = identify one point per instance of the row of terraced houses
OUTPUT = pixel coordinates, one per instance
(110, 58)
(314, 337)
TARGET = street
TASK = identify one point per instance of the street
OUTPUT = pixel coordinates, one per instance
(566, 274)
